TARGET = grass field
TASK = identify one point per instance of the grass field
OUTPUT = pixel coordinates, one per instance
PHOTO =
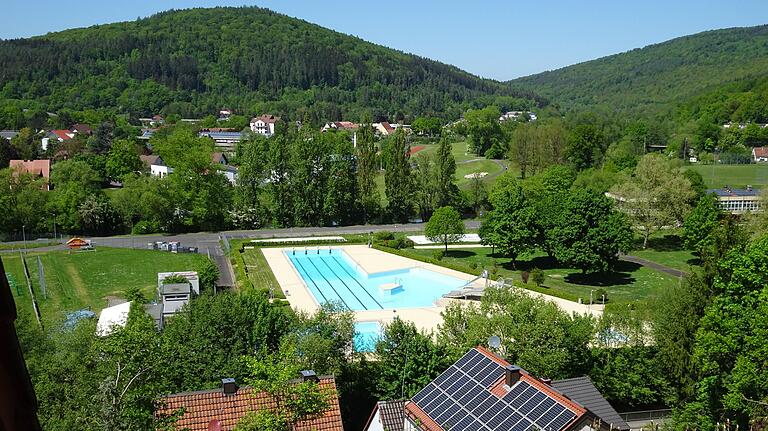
(717, 176)
(77, 280)
(666, 248)
(629, 284)
(259, 273)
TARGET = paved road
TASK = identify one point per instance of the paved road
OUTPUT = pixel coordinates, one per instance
(653, 265)
(210, 243)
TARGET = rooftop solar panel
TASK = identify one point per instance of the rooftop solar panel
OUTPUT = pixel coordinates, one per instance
(460, 399)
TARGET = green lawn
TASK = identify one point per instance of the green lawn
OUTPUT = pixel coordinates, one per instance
(85, 279)
(483, 165)
(717, 176)
(258, 271)
(666, 248)
(629, 284)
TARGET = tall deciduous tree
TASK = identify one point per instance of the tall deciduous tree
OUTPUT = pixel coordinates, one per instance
(445, 226)
(26, 144)
(445, 169)
(589, 233)
(511, 225)
(123, 159)
(368, 196)
(700, 223)
(340, 205)
(534, 333)
(656, 196)
(484, 132)
(425, 185)
(408, 360)
(309, 173)
(398, 185)
(279, 188)
(585, 147)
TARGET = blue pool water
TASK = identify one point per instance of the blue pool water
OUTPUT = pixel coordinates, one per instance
(366, 336)
(333, 276)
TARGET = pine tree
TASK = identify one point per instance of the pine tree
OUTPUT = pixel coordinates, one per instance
(398, 184)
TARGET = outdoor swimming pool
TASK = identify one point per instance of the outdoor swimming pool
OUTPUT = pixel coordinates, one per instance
(366, 336)
(332, 276)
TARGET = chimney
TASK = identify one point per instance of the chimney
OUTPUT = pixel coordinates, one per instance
(547, 382)
(309, 376)
(511, 375)
(228, 386)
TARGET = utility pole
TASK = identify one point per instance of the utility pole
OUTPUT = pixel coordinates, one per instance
(24, 236)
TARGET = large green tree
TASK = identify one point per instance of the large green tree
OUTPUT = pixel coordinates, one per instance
(445, 226)
(398, 184)
(511, 225)
(123, 159)
(368, 195)
(484, 132)
(445, 170)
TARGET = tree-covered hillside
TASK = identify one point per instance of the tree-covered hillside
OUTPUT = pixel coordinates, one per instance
(192, 62)
(643, 81)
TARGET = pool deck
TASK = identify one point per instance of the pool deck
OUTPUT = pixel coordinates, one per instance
(371, 261)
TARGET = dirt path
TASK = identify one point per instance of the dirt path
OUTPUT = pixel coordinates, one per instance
(77, 283)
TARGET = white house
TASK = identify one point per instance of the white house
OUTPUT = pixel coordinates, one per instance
(264, 125)
(515, 115)
(156, 165)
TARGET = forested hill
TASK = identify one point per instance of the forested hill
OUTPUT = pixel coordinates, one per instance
(644, 81)
(192, 62)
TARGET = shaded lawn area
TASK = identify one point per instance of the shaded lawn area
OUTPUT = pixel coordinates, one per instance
(630, 283)
(77, 280)
(666, 248)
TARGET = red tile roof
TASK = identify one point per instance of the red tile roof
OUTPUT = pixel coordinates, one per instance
(758, 152)
(62, 134)
(266, 118)
(81, 128)
(40, 168)
(204, 406)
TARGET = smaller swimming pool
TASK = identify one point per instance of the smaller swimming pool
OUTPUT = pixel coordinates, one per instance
(367, 334)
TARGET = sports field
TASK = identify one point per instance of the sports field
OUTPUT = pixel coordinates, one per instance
(717, 176)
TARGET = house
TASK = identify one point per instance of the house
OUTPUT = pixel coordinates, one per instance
(221, 409)
(264, 125)
(383, 129)
(225, 139)
(760, 154)
(8, 134)
(82, 129)
(516, 115)
(37, 168)
(56, 136)
(219, 159)
(147, 134)
(343, 125)
(230, 172)
(156, 165)
(155, 121)
(387, 416)
(483, 392)
(737, 201)
(224, 114)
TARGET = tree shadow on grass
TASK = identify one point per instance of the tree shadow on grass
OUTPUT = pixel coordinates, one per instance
(460, 254)
(669, 242)
(621, 276)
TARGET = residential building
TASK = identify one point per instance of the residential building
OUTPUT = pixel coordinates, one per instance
(156, 165)
(60, 135)
(264, 125)
(37, 168)
(387, 416)
(343, 125)
(147, 134)
(383, 129)
(222, 409)
(224, 114)
(516, 115)
(112, 318)
(483, 392)
(219, 158)
(738, 201)
(760, 154)
(82, 129)
(224, 139)
(230, 172)
(8, 134)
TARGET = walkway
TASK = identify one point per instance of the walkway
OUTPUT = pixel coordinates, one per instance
(653, 265)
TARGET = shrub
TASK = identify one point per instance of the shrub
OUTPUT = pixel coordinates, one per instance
(524, 275)
(144, 227)
(438, 254)
(173, 279)
(473, 265)
(398, 243)
(600, 295)
(383, 236)
(538, 276)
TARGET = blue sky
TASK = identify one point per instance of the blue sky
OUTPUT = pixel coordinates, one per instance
(495, 39)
